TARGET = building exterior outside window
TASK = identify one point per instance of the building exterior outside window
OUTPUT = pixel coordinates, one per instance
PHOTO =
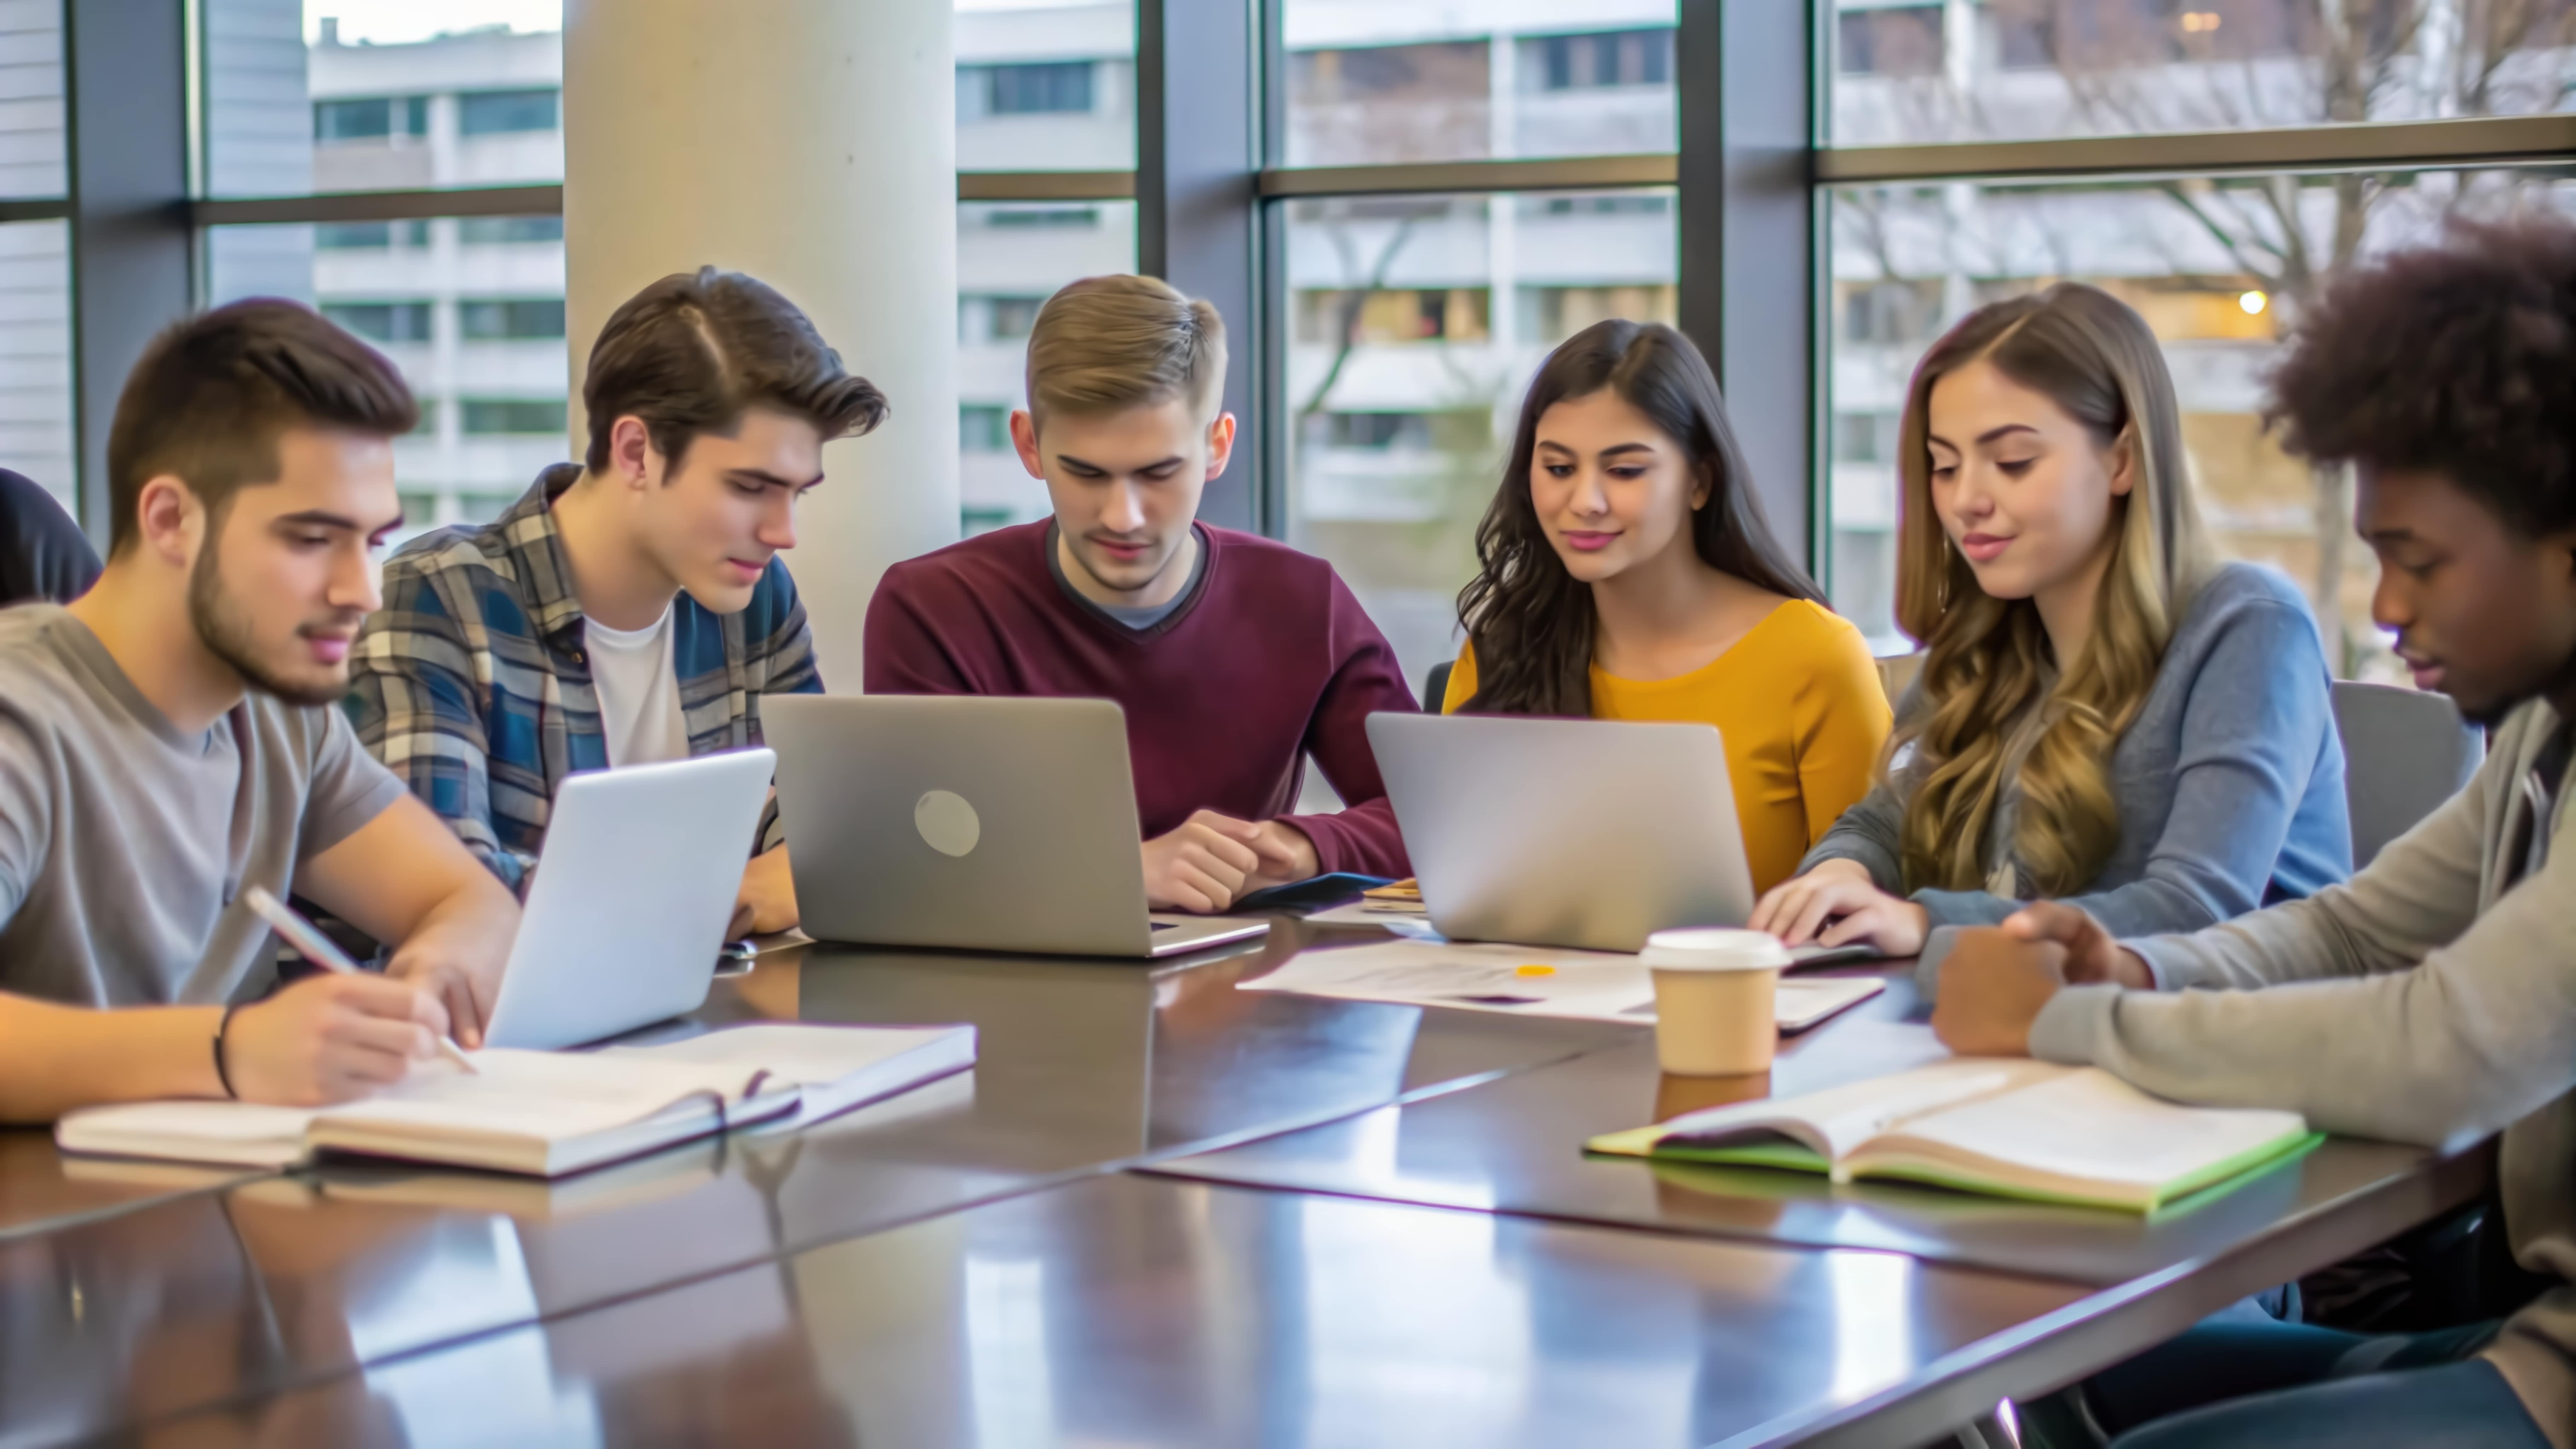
(2218, 265)
(490, 113)
(1411, 322)
(1045, 88)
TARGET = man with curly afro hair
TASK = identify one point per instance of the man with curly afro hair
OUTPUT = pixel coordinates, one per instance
(2433, 999)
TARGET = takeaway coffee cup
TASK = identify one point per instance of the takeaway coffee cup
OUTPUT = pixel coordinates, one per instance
(1715, 999)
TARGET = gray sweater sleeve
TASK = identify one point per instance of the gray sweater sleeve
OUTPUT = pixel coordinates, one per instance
(2361, 1038)
(1870, 832)
(2256, 715)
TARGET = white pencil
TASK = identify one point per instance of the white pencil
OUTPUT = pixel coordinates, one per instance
(319, 949)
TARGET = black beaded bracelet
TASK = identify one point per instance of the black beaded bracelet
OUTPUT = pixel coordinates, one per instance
(222, 1075)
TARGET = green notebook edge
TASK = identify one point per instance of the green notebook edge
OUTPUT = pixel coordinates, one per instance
(1795, 1158)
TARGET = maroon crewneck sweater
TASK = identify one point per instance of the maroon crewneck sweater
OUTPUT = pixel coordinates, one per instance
(1269, 659)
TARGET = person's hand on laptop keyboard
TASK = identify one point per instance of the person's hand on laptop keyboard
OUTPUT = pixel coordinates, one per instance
(768, 900)
(1836, 904)
(1203, 865)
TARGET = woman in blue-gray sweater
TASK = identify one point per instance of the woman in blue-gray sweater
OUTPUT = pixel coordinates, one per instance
(2106, 713)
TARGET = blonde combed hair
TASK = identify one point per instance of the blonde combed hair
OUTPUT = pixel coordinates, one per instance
(1985, 658)
(1107, 344)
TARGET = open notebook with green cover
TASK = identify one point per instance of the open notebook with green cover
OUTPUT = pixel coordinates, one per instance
(2012, 1128)
(545, 1114)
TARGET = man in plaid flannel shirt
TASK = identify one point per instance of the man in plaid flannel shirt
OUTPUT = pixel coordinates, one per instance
(630, 609)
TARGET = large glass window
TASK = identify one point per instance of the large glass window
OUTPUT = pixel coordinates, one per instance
(1907, 71)
(1010, 257)
(1415, 324)
(374, 95)
(32, 134)
(2218, 266)
(1045, 85)
(1373, 81)
(476, 327)
(36, 355)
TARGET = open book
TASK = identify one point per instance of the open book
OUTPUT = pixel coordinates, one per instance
(2012, 1128)
(549, 1113)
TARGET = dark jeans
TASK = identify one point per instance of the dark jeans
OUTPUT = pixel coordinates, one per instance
(2287, 1385)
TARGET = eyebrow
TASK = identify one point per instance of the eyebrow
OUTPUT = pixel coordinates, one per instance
(323, 518)
(1072, 461)
(1988, 436)
(758, 475)
(1609, 452)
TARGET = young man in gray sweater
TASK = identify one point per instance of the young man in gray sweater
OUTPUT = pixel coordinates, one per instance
(2433, 999)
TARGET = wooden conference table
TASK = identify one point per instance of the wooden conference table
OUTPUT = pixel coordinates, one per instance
(1160, 1211)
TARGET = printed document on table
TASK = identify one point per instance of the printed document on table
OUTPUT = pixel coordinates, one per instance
(1523, 981)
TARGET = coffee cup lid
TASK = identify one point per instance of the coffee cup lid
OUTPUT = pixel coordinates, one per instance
(1710, 948)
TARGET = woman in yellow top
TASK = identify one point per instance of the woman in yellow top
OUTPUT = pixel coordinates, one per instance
(1628, 573)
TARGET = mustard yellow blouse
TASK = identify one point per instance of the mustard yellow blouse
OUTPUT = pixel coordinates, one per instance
(1799, 703)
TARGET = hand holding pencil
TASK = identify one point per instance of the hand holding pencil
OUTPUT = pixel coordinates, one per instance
(319, 949)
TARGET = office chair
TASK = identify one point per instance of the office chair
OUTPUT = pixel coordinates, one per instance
(2405, 752)
(44, 558)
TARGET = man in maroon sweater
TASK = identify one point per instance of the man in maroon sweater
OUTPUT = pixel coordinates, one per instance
(1233, 656)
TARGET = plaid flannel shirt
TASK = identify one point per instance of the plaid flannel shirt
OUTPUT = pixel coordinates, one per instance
(473, 681)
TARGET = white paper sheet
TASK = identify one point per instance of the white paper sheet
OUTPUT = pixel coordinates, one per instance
(1365, 913)
(1580, 985)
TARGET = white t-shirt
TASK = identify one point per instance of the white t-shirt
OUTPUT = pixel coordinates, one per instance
(639, 692)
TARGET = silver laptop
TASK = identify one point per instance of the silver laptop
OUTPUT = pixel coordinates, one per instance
(979, 822)
(1564, 832)
(631, 899)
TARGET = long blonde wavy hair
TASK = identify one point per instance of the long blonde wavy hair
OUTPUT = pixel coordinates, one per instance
(1985, 657)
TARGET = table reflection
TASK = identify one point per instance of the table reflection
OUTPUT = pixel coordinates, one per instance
(1135, 1311)
(40, 1188)
(1084, 1066)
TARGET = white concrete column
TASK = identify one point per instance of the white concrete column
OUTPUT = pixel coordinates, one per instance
(813, 144)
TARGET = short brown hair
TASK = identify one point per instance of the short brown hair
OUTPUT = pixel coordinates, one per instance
(1106, 344)
(211, 396)
(689, 353)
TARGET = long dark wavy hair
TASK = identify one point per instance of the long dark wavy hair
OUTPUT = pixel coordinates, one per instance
(1530, 621)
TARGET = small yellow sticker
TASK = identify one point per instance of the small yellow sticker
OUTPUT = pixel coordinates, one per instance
(1534, 970)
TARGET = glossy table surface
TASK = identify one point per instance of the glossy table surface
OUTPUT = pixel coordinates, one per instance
(1516, 1145)
(1083, 1067)
(1408, 1248)
(42, 1191)
(1136, 1311)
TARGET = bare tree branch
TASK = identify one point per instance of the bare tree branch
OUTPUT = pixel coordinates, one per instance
(1347, 313)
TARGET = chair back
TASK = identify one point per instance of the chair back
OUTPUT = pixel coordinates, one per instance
(1896, 673)
(2405, 751)
(1436, 688)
